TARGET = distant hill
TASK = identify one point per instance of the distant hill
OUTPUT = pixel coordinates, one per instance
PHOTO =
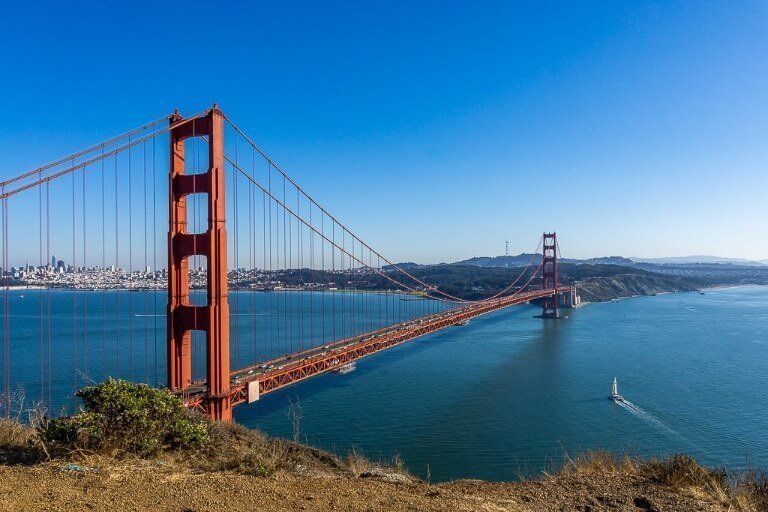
(524, 259)
(688, 260)
(519, 260)
(406, 265)
(608, 260)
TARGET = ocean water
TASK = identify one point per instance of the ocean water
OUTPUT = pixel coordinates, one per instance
(60, 340)
(509, 395)
(506, 396)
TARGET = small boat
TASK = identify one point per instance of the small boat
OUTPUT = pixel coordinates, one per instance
(462, 322)
(345, 369)
(615, 396)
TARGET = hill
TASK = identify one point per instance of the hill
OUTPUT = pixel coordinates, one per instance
(596, 282)
(687, 260)
(519, 260)
(133, 447)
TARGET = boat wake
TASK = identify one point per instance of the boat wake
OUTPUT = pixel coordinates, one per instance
(634, 409)
(637, 411)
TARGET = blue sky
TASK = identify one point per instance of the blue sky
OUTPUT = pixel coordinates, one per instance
(436, 130)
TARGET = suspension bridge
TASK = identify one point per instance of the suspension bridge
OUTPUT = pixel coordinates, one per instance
(188, 258)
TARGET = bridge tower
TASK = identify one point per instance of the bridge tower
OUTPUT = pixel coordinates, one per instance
(212, 318)
(549, 273)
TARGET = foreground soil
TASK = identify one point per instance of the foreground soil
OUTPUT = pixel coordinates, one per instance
(157, 486)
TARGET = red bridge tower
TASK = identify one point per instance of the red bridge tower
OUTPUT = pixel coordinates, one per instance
(212, 318)
(549, 272)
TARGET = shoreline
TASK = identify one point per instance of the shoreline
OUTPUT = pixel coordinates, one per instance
(347, 290)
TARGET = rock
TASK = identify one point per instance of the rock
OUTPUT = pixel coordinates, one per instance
(387, 476)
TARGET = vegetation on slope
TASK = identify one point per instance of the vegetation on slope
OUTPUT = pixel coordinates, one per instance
(597, 282)
(140, 449)
(122, 420)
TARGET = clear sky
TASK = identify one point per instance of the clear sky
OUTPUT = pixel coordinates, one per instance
(436, 130)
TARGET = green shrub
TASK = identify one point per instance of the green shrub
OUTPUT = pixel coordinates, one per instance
(120, 416)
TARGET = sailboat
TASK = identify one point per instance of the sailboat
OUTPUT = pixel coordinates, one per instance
(615, 396)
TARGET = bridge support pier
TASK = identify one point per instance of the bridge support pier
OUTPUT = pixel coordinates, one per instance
(213, 318)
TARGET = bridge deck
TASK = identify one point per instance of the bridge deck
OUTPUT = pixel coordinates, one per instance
(292, 368)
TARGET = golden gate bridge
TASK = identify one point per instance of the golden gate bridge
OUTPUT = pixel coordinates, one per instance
(289, 291)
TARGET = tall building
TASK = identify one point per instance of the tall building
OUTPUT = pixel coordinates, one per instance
(53, 260)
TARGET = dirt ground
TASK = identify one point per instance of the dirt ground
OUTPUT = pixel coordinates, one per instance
(156, 486)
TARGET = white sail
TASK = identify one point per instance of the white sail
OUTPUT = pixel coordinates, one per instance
(614, 388)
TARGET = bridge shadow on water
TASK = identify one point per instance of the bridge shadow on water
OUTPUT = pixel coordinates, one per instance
(306, 390)
(493, 406)
(276, 400)
(449, 413)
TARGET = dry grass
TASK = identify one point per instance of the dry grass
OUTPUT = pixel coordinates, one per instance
(237, 448)
(234, 448)
(744, 492)
(750, 491)
(14, 434)
(20, 443)
(596, 463)
(360, 466)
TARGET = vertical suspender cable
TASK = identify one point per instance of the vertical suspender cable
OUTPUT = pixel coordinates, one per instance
(312, 276)
(322, 267)
(353, 291)
(74, 294)
(85, 293)
(251, 272)
(6, 317)
(103, 269)
(251, 264)
(300, 294)
(41, 268)
(146, 276)
(236, 259)
(286, 263)
(154, 256)
(343, 274)
(130, 261)
(270, 292)
(6, 252)
(333, 274)
(48, 290)
(267, 312)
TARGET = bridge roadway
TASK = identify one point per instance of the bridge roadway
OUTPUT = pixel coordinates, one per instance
(289, 369)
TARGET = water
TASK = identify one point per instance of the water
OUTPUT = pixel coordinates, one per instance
(505, 396)
(81, 337)
(508, 395)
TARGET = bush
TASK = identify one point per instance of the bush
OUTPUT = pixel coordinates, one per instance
(683, 471)
(124, 417)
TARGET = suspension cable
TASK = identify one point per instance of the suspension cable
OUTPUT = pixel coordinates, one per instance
(86, 151)
(75, 167)
(347, 230)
